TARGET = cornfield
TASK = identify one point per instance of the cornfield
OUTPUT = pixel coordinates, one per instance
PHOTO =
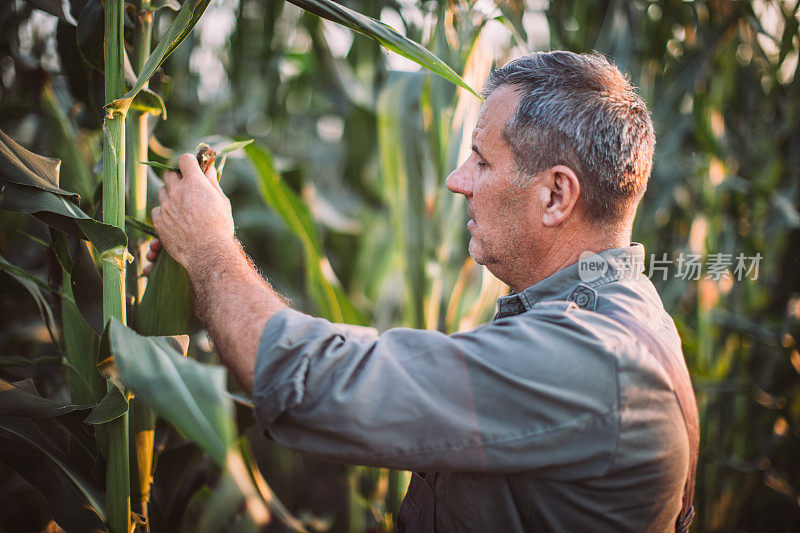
(336, 126)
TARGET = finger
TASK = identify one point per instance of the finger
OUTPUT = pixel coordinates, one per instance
(146, 270)
(211, 176)
(190, 168)
(155, 247)
(163, 195)
(171, 178)
(155, 216)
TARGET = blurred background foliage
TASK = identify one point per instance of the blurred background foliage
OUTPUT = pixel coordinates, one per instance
(366, 139)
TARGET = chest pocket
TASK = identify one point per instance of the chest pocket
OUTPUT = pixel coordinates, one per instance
(417, 510)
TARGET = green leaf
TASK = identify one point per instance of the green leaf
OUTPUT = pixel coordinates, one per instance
(22, 399)
(34, 285)
(186, 19)
(16, 360)
(29, 184)
(21, 275)
(399, 125)
(90, 34)
(156, 164)
(23, 167)
(167, 302)
(323, 284)
(76, 502)
(54, 7)
(76, 173)
(59, 244)
(155, 5)
(60, 213)
(111, 407)
(86, 385)
(233, 147)
(220, 161)
(149, 101)
(188, 394)
(86, 285)
(384, 34)
(144, 227)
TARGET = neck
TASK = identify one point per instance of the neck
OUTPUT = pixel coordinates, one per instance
(562, 250)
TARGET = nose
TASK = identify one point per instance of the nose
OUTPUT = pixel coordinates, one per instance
(459, 181)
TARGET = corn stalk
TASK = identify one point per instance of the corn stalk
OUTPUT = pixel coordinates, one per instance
(142, 419)
(117, 471)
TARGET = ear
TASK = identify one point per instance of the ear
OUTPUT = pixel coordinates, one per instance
(560, 192)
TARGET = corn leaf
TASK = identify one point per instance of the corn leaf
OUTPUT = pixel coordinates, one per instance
(155, 5)
(22, 399)
(144, 227)
(167, 302)
(21, 275)
(384, 34)
(23, 167)
(186, 19)
(89, 34)
(76, 502)
(54, 7)
(221, 152)
(233, 147)
(86, 285)
(16, 360)
(112, 406)
(399, 125)
(149, 101)
(75, 173)
(33, 285)
(29, 184)
(60, 213)
(156, 164)
(86, 385)
(188, 394)
(323, 285)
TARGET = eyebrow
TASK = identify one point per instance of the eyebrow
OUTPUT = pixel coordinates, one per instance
(475, 149)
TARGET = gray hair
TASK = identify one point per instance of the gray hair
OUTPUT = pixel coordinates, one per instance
(579, 110)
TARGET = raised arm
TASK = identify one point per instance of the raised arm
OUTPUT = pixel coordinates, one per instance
(232, 300)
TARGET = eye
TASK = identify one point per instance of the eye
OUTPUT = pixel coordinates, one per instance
(482, 164)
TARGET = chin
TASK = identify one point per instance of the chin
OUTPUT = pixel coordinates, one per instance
(477, 253)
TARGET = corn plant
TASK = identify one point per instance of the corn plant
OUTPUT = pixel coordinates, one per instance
(720, 78)
(127, 356)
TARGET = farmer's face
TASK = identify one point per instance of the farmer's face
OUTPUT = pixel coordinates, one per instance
(499, 204)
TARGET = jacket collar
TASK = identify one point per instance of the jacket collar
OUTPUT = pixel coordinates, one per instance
(577, 282)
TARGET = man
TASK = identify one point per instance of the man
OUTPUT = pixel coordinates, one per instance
(571, 411)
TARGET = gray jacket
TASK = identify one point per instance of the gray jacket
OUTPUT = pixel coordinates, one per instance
(552, 417)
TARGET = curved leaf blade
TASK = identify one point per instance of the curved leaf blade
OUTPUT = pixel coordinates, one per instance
(23, 400)
(188, 394)
(23, 167)
(186, 19)
(384, 34)
(324, 287)
(60, 213)
(77, 503)
(167, 302)
(111, 407)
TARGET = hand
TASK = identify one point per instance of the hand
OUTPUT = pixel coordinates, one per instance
(194, 215)
(152, 255)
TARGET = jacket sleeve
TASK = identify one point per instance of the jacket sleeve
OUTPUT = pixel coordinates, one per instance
(533, 392)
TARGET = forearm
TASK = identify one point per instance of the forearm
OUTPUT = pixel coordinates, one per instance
(234, 303)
